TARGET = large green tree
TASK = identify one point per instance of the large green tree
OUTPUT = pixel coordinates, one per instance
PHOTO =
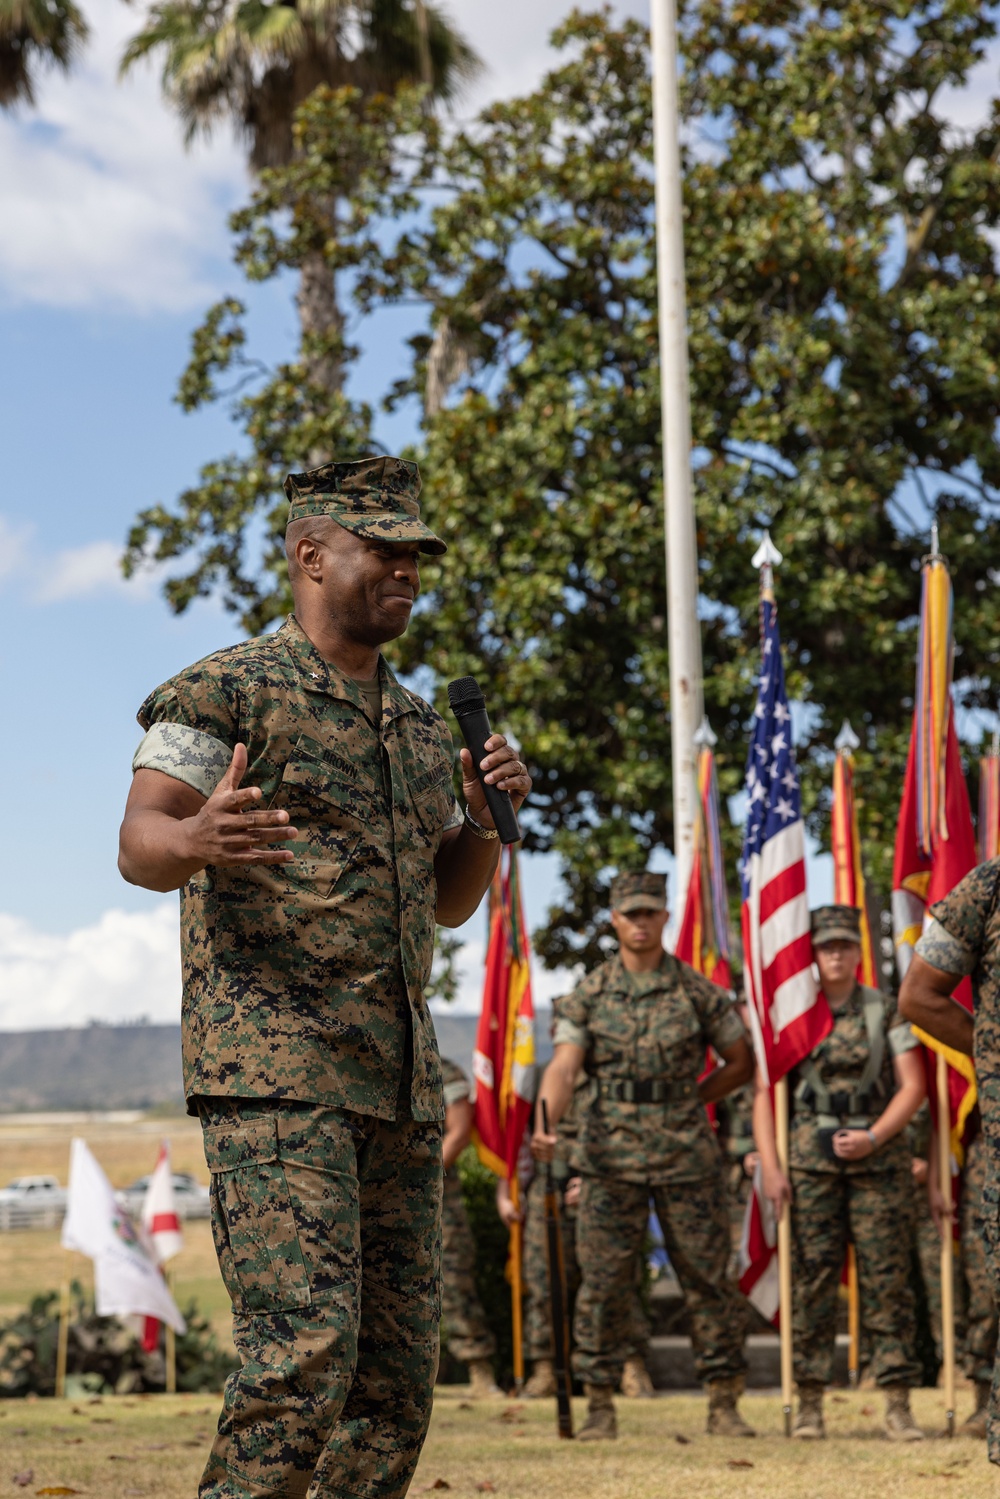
(845, 366)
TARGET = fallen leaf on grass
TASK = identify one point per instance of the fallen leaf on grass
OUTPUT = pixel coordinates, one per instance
(72, 1441)
(465, 1405)
(59, 1488)
(102, 1420)
(868, 1410)
(485, 1487)
(839, 1399)
(439, 1483)
(511, 1413)
(739, 1462)
(684, 1441)
(23, 1479)
(96, 1400)
(19, 1431)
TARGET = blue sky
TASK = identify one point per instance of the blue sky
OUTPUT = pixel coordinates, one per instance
(113, 242)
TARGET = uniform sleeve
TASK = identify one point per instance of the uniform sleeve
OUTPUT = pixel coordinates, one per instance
(191, 730)
(456, 1084)
(720, 1022)
(571, 1015)
(956, 935)
(941, 950)
(899, 1033)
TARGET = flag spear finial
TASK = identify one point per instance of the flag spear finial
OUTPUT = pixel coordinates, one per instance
(765, 559)
(704, 738)
(846, 739)
(935, 548)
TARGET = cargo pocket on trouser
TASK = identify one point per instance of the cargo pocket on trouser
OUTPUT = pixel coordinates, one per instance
(252, 1219)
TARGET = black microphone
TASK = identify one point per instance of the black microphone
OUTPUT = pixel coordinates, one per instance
(469, 707)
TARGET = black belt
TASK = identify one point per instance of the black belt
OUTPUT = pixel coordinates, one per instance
(842, 1103)
(637, 1090)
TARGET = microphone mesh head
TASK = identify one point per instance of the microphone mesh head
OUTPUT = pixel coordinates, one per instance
(464, 695)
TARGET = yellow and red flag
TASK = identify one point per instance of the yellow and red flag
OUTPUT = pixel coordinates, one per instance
(703, 939)
(989, 804)
(848, 871)
(503, 1062)
(935, 842)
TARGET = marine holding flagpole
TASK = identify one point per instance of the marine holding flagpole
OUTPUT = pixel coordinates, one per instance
(302, 802)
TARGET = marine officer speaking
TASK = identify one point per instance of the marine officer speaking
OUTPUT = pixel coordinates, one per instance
(301, 801)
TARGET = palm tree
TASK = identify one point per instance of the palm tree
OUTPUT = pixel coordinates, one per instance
(253, 62)
(33, 34)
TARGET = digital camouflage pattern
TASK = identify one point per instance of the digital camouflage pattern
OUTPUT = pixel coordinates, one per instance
(305, 981)
(642, 1027)
(979, 1343)
(537, 1316)
(734, 1117)
(840, 1060)
(835, 924)
(464, 1322)
(638, 892)
(873, 1209)
(695, 1224)
(639, 1027)
(869, 1202)
(334, 1392)
(963, 937)
(375, 498)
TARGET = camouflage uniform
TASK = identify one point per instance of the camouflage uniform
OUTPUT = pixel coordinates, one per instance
(468, 1336)
(734, 1115)
(308, 1046)
(963, 937)
(537, 1318)
(869, 1202)
(650, 1030)
(926, 1239)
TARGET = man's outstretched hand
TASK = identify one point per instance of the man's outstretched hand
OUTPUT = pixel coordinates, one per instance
(228, 831)
(171, 831)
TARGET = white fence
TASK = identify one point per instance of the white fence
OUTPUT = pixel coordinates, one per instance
(16, 1215)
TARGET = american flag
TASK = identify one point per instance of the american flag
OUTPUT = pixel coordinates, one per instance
(788, 1016)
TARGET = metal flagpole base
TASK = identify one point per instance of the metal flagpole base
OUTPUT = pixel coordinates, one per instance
(949, 1423)
(786, 1411)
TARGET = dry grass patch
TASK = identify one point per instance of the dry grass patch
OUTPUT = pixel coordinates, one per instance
(156, 1446)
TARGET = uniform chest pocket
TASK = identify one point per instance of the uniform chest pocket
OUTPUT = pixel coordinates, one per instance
(433, 797)
(330, 803)
(612, 1041)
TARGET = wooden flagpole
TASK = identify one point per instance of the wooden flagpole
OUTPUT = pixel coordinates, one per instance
(853, 1319)
(947, 1244)
(516, 1285)
(62, 1346)
(784, 1254)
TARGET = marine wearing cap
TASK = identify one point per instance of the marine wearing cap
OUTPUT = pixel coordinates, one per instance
(375, 498)
(639, 892)
(835, 924)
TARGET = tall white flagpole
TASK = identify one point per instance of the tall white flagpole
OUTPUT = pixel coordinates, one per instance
(684, 636)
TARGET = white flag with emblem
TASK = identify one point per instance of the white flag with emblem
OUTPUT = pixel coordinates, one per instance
(127, 1281)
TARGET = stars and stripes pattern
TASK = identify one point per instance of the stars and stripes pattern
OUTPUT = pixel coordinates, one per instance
(788, 1015)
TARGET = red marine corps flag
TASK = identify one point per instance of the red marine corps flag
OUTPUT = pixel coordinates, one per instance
(503, 1062)
(935, 842)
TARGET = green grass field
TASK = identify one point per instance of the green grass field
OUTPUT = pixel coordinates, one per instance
(155, 1446)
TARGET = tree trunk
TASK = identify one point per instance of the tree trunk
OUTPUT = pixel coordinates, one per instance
(322, 327)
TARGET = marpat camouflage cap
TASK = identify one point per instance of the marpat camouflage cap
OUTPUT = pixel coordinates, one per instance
(835, 924)
(639, 892)
(375, 498)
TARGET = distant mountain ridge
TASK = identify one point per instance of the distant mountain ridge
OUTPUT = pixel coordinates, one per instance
(101, 1067)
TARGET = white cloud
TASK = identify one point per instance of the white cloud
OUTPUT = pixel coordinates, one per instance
(13, 547)
(80, 572)
(124, 966)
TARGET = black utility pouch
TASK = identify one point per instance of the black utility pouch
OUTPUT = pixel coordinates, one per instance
(825, 1138)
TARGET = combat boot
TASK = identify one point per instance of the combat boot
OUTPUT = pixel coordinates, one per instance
(636, 1383)
(809, 1419)
(724, 1420)
(484, 1386)
(899, 1423)
(975, 1426)
(542, 1384)
(601, 1424)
